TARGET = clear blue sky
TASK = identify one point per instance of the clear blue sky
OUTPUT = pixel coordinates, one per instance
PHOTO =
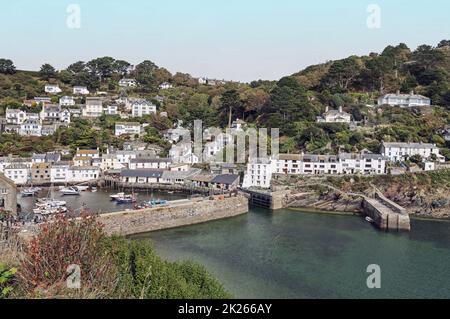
(231, 39)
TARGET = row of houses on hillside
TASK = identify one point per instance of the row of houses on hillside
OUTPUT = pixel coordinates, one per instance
(260, 170)
(404, 100)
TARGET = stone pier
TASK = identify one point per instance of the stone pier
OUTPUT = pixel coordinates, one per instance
(177, 214)
(386, 214)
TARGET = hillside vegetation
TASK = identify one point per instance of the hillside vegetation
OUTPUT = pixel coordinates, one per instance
(291, 104)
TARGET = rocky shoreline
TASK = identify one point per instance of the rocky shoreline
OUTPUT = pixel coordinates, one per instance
(334, 202)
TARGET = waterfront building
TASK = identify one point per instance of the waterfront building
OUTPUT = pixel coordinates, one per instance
(18, 173)
(59, 172)
(398, 152)
(8, 194)
(111, 162)
(82, 161)
(40, 173)
(259, 173)
(141, 176)
(200, 180)
(79, 174)
(178, 177)
(146, 163)
(226, 182)
(404, 100)
(343, 163)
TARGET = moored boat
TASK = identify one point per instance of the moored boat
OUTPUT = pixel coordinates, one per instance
(126, 199)
(116, 196)
(70, 191)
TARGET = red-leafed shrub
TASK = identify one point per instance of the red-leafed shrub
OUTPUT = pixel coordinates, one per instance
(61, 247)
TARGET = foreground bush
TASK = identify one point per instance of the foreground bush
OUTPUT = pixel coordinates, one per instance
(143, 274)
(109, 267)
(62, 247)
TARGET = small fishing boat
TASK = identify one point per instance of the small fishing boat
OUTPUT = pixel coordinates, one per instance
(116, 196)
(126, 199)
(82, 188)
(41, 202)
(157, 202)
(70, 191)
(27, 192)
(369, 220)
(49, 210)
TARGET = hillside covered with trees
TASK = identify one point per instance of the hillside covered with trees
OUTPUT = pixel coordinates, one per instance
(291, 104)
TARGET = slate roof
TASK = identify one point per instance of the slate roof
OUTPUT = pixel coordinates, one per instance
(410, 145)
(155, 173)
(226, 179)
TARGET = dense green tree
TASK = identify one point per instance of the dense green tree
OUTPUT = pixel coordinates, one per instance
(162, 75)
(47, 71)
(121, 67)
(102, 67)
(77, 67)
(287, 104)
(230, 105)
(144, 73)
(65, 76)
(341, 74)
(86, 78)
(7, 66)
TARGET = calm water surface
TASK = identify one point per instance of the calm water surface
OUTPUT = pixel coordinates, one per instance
(290, 254)
(95, 202)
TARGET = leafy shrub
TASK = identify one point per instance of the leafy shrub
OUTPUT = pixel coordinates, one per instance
(6, 280)
(60, 244)
(143, 274)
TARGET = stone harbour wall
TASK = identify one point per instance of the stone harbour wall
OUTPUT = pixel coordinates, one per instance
(178, 214)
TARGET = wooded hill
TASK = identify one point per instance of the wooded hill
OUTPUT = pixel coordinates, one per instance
(291, 104)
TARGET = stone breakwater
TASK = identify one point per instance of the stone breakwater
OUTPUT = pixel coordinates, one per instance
(177, 214)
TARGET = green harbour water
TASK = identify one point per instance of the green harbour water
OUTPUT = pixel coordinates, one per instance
(293, 254)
